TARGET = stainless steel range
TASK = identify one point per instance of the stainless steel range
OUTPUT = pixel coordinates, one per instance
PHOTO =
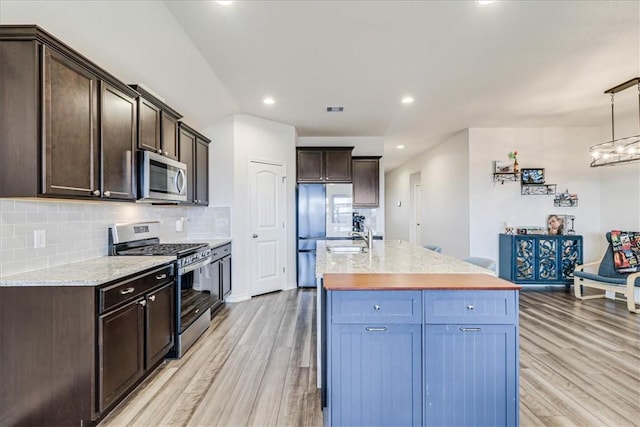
(197, 295)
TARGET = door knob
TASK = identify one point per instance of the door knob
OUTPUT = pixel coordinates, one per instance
(255, 236)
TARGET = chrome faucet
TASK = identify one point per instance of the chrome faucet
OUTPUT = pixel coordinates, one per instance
(368, 239)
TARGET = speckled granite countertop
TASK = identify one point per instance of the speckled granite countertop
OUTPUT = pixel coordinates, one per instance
(214, 243)
(389, 256)
(91, 272)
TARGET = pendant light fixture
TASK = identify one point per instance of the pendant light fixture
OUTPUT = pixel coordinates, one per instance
(621, 150)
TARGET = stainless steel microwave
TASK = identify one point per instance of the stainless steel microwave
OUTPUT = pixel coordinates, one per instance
(161, 179)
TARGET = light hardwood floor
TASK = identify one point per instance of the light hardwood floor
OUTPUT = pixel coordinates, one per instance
(255, 366)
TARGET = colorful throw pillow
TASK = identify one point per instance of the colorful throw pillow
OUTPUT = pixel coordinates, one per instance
(626, 250)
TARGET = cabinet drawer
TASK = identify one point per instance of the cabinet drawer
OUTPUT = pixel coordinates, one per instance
(221, 251)
(120, 292)
(376, 306)
(470, 306)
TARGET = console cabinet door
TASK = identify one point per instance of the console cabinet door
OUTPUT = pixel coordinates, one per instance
(119, 127)
(375, 375)
(120, 351)
(471, 375)
(70, 103)
(159, 324)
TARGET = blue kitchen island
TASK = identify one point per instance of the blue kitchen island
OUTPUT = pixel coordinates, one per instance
(433, 347)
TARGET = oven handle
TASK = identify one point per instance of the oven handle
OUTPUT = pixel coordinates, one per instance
(189, 268)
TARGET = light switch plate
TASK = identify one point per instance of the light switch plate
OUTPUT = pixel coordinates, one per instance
(39, 238)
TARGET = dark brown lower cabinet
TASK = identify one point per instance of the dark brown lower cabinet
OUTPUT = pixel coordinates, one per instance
(159, 324)
(68, 354)
(121, 351)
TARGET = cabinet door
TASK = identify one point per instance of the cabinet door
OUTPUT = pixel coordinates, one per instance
(525, 259)
(310, 165)
(201, 193)
(148, 126)
(70, 101)
(120, 351)
(338, 165)
(571, 254)
(119, 130)
(547, 259)
(169, 135)
(470, 375)
(225, 277)
(375, 376)
(366, 176)
(187, 143)
(159, 324)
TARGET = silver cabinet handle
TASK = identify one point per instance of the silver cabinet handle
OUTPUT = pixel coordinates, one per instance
(197, 310)
(471, 307)
(127, 291)
(143, 302)
(166, 153)
(161, 276)
(470, 329)
(96, 192)
(152, 298)
(255, 236)
(107, 193)
(159, 151)
(370, 329)
(376, 307)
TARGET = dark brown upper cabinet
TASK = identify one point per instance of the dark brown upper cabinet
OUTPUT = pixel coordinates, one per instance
(194, 152)
(324, 164)
(366, 182)
(157, 124)
(68, 128)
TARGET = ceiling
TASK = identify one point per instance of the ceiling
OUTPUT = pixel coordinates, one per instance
(507, 64)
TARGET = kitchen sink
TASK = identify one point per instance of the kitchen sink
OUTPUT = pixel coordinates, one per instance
(345, 249)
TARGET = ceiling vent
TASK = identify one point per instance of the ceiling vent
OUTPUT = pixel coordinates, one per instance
(335, 109)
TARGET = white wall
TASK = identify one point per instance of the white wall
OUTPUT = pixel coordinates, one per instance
(362, 146)
(563, 152)
(398, 199)
(239, 139)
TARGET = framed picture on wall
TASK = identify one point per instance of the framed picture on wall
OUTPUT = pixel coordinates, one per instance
(532, 175)
(504, 166)
(556, 225)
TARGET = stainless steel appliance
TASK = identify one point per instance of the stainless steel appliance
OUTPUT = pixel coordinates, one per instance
(325, 211)
(197, 288)
(161, 179)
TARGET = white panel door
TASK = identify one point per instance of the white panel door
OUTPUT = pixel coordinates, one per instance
(268, 228)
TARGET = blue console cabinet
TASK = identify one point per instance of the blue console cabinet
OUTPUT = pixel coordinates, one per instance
(539, 259)
(422, 358)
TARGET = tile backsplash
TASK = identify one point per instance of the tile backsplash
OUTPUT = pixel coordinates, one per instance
(75, 231)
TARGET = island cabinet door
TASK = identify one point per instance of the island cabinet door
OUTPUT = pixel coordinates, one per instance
(375, 376)
(470, 375)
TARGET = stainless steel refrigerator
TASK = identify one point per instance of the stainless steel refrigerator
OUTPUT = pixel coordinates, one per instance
(324, 212)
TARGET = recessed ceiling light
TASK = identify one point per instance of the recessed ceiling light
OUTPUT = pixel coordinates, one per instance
(224, 3)
(407, 100)
(485, 2)
(269, 100)
(400, 147)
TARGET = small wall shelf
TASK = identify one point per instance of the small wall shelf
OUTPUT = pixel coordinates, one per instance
(565, 200)
(537, 189)
(502, 177)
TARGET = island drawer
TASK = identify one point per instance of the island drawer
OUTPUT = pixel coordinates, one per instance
(376, 306)
(468, 306)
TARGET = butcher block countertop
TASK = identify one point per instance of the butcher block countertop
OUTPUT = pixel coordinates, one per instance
(414, 281)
